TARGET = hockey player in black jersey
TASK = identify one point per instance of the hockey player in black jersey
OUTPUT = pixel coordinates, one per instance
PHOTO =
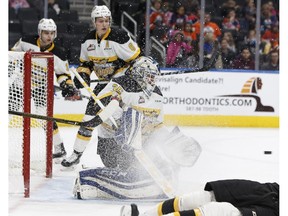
(107, 52)
(44, 42)
(235, 197)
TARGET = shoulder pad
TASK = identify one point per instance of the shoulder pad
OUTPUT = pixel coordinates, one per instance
(32, 39)
(118, 35)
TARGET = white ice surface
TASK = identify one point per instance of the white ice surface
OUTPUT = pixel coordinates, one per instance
(226, 153)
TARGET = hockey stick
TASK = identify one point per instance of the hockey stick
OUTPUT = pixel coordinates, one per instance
(90, 91)
(58, 88)
(91, 123)
(150, 167)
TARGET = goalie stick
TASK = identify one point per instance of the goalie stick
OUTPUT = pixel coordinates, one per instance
(90, 91)
(95, 121)
(149, 165)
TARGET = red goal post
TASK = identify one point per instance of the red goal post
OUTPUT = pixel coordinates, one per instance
(31, 90)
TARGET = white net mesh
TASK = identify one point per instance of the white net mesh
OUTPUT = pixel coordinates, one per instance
(39, 100)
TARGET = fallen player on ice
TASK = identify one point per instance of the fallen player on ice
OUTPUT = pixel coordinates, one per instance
(235, 197)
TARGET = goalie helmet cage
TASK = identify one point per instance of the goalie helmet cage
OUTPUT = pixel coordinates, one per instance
(31, 80)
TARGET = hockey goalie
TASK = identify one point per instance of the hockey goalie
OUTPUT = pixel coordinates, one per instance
(141, 157)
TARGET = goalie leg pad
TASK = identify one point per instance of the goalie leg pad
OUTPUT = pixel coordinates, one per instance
(107, 183)
(113, 155)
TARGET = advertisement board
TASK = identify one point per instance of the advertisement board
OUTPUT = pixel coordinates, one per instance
(240, 99)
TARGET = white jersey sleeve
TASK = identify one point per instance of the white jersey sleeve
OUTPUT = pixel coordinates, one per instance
(127, 51)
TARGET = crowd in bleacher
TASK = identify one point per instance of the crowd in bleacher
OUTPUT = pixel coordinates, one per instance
(175, 24)
(230, 23)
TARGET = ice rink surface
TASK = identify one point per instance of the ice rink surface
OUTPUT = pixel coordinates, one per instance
(227, 153)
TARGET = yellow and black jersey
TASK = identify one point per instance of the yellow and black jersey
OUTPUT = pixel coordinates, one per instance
(114, 50)
(32, 43)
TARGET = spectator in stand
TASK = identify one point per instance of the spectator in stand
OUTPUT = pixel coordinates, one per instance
(208, 27)
(209, 49)
(244, 60)
(273, 11)
(193, 58)
(267, 19)
(191, 6)
(166, 8)
(192, 10)
(230, 39)
(189, 33)
(273, 63)
(250, 40)
(193, 17)
(230, 5)
(16, 4)
(178, 18)
(230, 22)
(249, 13)
(155, 6)
(156, 15)
(54, 5)
(270, 38)
(177, 50)
(158, 28)
(227, 54)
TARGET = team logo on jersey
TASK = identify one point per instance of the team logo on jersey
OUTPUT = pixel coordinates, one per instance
(141, 100)
(91, 47)
(131, 46)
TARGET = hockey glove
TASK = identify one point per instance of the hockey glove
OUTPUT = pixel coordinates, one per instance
(85, 77)
(68, 90)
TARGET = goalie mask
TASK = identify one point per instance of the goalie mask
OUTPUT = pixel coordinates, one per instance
(47, 25)
(144, 71)
(100, 11)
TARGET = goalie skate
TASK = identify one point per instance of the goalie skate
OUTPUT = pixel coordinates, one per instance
(129, 210)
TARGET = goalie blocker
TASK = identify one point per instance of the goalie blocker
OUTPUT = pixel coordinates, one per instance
(134, 182)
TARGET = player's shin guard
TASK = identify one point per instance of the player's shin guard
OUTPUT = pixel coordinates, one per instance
(108, 183)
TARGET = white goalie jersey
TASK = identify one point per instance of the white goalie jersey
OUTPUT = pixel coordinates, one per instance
(130, 95)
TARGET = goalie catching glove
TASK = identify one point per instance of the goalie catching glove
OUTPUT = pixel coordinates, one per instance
(68, 90)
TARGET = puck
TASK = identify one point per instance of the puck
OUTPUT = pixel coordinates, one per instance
(267, 152)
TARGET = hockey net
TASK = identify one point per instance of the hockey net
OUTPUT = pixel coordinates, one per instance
(31, 90)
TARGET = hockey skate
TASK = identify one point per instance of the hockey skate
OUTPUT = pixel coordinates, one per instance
(73, 160)
(129, 210)
(59, 154)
